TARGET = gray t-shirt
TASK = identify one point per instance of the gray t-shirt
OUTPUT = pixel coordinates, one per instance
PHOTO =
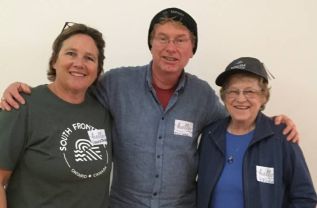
(60, 153)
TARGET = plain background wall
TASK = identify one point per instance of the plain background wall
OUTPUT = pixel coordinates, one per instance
(281, 33)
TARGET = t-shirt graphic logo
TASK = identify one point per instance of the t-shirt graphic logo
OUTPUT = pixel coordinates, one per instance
(86, 151)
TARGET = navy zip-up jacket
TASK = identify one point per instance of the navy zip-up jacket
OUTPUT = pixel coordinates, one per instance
(291, 185)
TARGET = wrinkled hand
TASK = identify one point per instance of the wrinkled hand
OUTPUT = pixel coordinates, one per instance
(11, 96)
(290, 129)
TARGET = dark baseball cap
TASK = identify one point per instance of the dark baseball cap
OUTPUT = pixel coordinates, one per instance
(243, 64)
(179, 16)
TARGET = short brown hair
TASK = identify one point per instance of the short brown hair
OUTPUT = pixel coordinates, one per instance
(69, 32)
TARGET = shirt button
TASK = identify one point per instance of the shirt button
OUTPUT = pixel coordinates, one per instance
(160, 137)
(154, 194)
(156, 176)
(162, 118)
(158, 156)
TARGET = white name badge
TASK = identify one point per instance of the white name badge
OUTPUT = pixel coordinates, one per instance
(183, 128)
(97, 137)
(265, 174)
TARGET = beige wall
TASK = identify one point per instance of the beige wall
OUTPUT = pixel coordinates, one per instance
(282, 33)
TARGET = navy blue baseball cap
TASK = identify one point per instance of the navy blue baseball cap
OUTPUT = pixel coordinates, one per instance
(243, 64)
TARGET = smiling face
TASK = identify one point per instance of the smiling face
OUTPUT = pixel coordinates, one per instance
(169, 55)
(76, 65)
(243, 107)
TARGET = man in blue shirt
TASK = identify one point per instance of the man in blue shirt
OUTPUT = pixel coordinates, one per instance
(158, 112)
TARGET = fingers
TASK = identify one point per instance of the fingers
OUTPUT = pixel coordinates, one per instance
(4, 105)
(293, 136)
(291, 131)
(278, 119)
(24, 88)
(289, 127)
(1, 108)
(11, 96)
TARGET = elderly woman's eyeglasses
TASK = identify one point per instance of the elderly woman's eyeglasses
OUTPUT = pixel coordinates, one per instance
(247, 93)
(67, 25)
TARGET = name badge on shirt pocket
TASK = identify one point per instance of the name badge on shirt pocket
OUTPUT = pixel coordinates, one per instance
(265, 174)
(183, 128)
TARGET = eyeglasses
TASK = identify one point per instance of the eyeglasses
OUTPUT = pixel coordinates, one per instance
(178, 42)
(247, 93)
(68, 25)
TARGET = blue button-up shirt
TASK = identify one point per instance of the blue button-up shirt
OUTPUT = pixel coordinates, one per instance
(155, 150)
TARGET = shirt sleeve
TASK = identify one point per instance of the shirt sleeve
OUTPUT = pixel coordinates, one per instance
(13, 137)
(102, 88)
(216, 109)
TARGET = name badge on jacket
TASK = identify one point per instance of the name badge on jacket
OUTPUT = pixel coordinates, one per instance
(265, 174)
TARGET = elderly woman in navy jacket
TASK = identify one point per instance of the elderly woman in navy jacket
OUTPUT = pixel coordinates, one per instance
(245, 160)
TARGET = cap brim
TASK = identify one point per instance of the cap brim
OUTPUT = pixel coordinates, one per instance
(224, 75)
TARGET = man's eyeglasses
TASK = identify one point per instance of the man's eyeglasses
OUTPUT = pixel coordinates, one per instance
(68, 25)
(178, 42)
(247, 93)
